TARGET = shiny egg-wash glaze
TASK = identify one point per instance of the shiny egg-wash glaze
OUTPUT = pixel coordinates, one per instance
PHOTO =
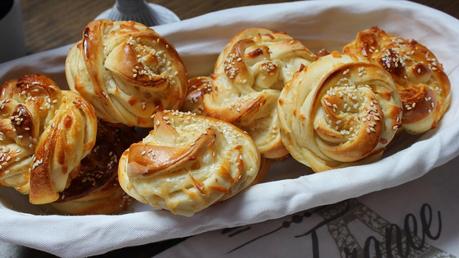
(249, 74)
(423, 86)
(45, 133)
(188, 162)
(127, 71)
(339, 112)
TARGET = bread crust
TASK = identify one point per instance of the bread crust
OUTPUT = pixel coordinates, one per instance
(188, 162)
(127, 71)
(338, 112)
(424, 88)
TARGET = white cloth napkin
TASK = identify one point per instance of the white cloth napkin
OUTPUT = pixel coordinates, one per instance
(289, 188)
(428, 204)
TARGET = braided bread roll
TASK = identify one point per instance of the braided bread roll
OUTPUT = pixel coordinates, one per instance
(95, 189)
(423, 86)
(338, 112)
(188, 162)
(44, 134)
(248, 77)
(127, 71)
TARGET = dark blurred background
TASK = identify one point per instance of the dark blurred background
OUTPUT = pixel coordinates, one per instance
(52, 23)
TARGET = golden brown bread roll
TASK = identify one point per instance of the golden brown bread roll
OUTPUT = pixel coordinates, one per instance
(248, 77)
(45, 133)
(422, 84)
(127, 71)
(197, 88)
(95, 189)
(188, 162)
(110, 199)
(338, 112)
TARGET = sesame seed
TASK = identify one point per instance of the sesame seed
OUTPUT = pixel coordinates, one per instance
(327, 103)
(37, 163)
(361, 71)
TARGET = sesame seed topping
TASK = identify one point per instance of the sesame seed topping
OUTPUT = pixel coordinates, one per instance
(229, 65)
(361, 71)
(409, 106)
(269, 67)
(3, 103)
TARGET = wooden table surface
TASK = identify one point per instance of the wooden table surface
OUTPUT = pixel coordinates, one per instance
(53, 23)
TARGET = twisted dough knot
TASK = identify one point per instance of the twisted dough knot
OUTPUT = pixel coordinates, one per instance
(248, 77)
(44, 134)
(338, 111)
(95, 189)
(423, 86)
(127, 71)
(188, 162)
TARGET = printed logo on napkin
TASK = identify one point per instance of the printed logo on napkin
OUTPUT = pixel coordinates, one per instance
(417, 219)
(387, 240)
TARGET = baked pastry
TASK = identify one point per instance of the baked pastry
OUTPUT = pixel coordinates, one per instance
(127, 71)
(338, 112)
(198, 87)
(188, 162)
(44, 134)
(95, 189)
(248, 77)
(422, 84)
